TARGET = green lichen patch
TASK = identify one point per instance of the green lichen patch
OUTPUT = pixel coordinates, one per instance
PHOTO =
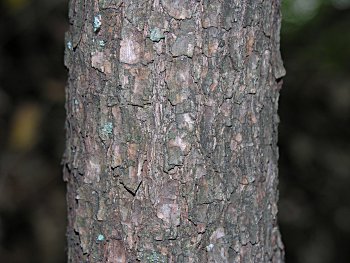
(101, 43)
(100, 237)
(107, 129)
(156, 257)
(97, 23)
(156, 34)
(69, 45)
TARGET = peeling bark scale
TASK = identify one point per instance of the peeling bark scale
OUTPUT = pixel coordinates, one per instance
(171, 151)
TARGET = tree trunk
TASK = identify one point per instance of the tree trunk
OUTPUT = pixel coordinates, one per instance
(171, 151)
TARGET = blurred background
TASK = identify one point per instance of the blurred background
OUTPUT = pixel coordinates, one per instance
(314, 208)
(314, 142)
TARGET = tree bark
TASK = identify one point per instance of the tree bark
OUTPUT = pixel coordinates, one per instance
(171, 151)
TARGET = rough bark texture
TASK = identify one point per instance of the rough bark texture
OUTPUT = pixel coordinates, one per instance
(171, 125)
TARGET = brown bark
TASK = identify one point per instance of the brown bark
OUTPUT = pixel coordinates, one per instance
(171, 151)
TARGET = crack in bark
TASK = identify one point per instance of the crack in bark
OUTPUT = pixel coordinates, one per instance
(132, 191)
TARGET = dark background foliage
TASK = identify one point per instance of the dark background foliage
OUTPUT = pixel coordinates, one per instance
(314, 131)
(314, 207)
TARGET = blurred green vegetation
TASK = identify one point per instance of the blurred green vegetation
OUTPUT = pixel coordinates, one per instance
(314, 131)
